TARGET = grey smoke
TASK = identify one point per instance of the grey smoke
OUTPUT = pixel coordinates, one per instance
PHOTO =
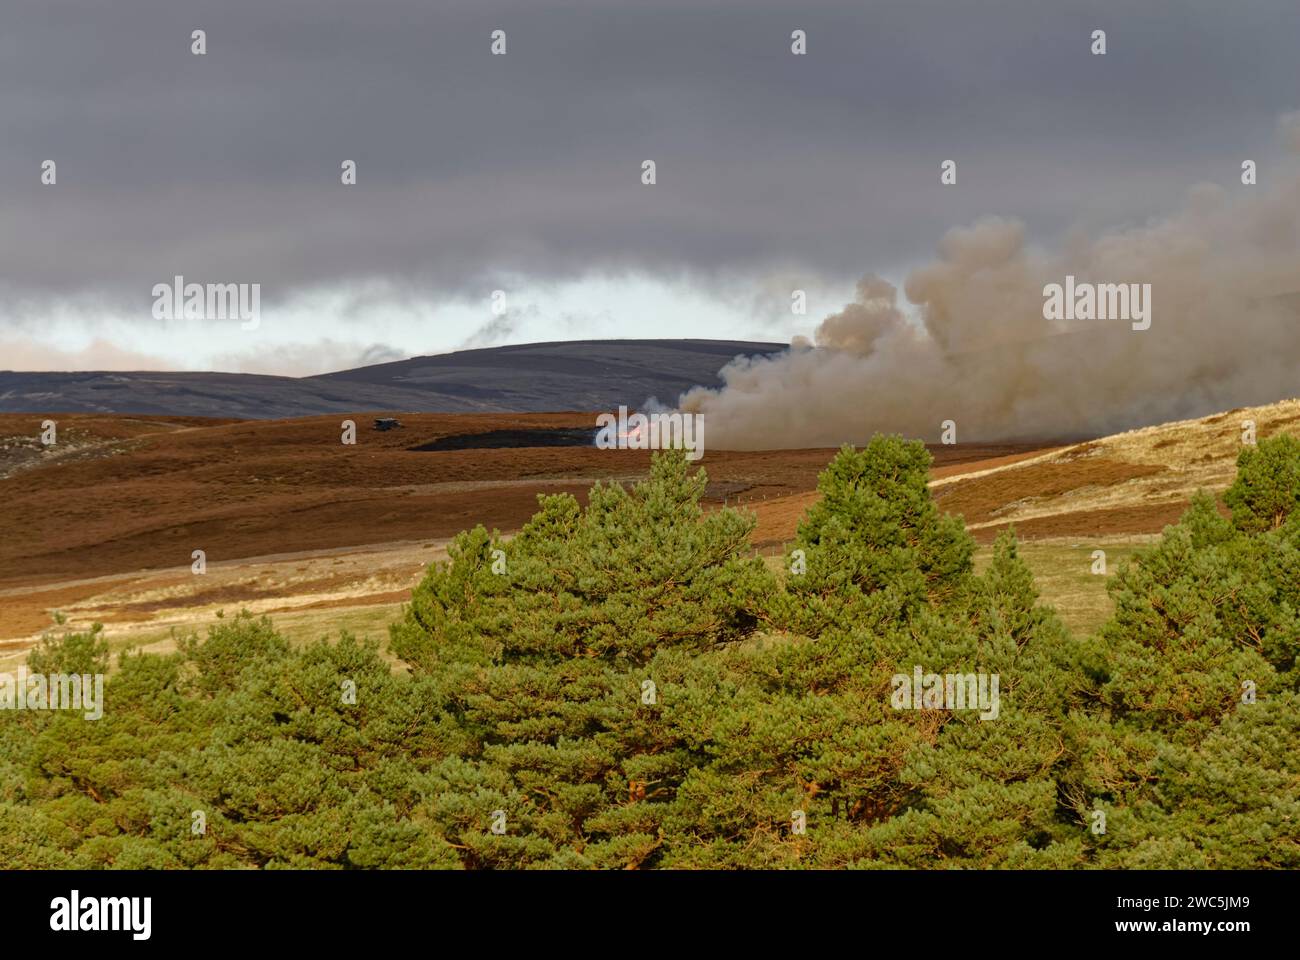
(965, 339)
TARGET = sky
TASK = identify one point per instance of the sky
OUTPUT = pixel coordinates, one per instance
(523, 172)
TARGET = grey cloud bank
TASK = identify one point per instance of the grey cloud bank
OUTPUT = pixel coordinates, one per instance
(475, 171)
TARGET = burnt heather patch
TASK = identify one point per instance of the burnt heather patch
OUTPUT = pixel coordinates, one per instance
(499, 439)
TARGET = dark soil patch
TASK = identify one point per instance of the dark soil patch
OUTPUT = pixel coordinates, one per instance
(498, 439)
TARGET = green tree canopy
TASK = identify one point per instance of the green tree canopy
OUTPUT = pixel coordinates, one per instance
(1266, 492)
(560, 650)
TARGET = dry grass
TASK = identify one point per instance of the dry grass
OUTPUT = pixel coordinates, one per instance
(1064, 578)
(285, 513)
(1130, 483)
(330, 588)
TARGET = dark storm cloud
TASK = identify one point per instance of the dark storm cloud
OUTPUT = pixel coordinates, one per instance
(226, 166)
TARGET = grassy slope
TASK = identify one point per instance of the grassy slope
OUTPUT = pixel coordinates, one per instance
(1063, 574)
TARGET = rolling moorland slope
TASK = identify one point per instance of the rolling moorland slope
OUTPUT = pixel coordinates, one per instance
(570, 375)
(102, 526)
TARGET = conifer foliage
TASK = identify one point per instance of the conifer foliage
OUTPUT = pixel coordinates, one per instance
(816, 763)
(624, 685)
(1191, 747)
(562, 650)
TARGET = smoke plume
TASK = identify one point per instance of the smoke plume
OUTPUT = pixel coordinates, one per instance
(970, 344)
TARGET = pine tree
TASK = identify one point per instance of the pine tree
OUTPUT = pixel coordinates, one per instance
(234, 751)
(1267, 489)
(1189, 741)
(560, 652)
(812, 763)
(875, 546)
(623, 686)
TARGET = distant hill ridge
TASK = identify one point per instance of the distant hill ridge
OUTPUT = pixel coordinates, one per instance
(533, 377)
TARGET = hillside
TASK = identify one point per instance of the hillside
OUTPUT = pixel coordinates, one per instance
(295, 523)
(119, 494)
(571, 375)
(1133, 482)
